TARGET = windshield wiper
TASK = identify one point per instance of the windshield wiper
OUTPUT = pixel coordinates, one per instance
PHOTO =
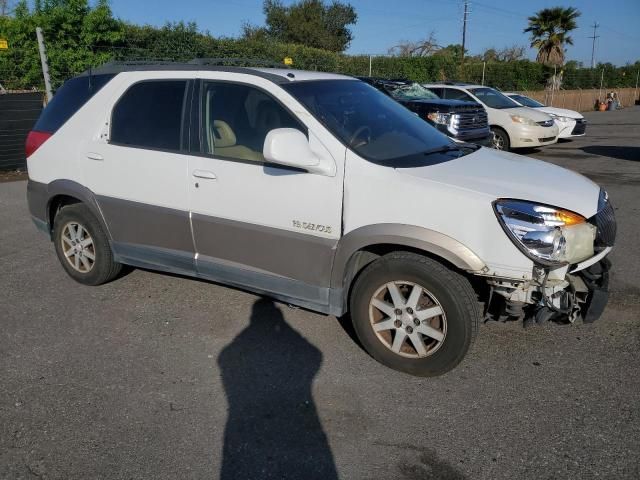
(452, 148)
(443, 149)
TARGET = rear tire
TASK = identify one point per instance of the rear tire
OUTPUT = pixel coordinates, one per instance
(413, 314)
(82, 246)
(500, 139)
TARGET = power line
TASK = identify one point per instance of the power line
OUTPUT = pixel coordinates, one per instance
(593, 46)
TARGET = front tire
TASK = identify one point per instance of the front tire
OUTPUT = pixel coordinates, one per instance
(413, 314)
(500, 139)
(82, 246)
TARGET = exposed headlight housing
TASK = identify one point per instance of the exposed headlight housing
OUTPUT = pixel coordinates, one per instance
(548, 235)
(439, 118)
(523, 120)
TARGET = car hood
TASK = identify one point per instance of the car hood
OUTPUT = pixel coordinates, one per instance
(533, 114)
(561, 112)
(499, 174)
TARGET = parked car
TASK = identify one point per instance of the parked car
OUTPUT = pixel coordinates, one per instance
(461, 120)
(513, 126)
(320, 191)
(570, 123)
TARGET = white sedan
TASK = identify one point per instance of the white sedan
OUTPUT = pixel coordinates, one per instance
(570, 123)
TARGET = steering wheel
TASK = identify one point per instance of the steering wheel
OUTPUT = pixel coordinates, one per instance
(356, 135)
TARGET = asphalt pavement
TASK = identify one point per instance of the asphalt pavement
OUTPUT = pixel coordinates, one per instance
(163, 377)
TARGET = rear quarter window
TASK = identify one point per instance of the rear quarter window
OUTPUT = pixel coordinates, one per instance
(68, 100)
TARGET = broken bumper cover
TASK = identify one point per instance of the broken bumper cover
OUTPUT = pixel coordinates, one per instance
(596, 278)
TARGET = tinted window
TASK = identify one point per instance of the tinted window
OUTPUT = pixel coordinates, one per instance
(237, 119)
(439, 92)
(493, 98)
(453, 94)
(149, 114)
(68, 100)
(372, 124)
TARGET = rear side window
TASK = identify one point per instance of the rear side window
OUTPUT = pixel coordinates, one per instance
(68, 100)
(150, 115)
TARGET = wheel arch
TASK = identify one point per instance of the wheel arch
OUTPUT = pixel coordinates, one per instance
(364, 245)
(68, 192)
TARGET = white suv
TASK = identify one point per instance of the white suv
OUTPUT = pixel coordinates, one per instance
(513, 125)
(318, 190)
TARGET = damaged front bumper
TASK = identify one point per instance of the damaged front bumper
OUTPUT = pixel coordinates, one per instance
(582, 294)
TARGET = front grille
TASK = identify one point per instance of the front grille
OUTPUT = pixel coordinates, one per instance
(546, 139)
(546, 123)
(470, 120)
(580, 128)
(605, 222)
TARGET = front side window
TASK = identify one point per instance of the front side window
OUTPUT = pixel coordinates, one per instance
(455, 94)
(373, 125)
(237, 119)
(149, 115)
(526, 101)
(493, 98)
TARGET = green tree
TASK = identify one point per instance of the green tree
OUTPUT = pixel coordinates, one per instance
(76, 34)
(307, 22)
(549, 30)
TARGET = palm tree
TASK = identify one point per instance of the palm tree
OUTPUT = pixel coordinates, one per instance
(549, 28)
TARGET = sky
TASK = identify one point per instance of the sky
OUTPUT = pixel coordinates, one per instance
(384, 23)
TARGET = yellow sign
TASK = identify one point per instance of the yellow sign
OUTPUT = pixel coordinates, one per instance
(288, 61)
(3, 44)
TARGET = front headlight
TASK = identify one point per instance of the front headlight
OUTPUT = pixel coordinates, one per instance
(548, 235)
(523, 120)
(439, 118)
(560, 119)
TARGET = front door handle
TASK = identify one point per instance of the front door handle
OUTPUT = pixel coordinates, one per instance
(204, 174)
(95, 156)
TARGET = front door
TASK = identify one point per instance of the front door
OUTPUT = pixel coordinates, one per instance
(265, 226)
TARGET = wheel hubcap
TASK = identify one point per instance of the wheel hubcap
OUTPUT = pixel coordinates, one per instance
(78, 247)
(407, 319)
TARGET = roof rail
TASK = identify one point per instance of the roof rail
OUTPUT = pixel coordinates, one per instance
(124, 63)
(237, 62)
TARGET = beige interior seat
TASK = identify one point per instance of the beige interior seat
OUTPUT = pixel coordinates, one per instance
(222, 140)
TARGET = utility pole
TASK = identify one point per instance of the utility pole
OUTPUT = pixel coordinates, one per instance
(464, 26)
(45, 64)
(593, 46)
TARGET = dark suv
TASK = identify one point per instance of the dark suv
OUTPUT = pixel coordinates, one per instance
(466, 121)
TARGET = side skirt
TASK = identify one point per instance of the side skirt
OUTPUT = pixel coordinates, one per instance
(184, 263)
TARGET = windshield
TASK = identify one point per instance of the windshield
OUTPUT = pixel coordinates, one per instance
(414, 91)
(493, 98)
(373, 125)
(526, 101)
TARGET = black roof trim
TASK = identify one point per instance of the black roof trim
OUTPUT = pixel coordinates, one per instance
(144, 66)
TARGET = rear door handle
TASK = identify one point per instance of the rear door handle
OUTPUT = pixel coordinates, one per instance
(204, 174)
(95, 156)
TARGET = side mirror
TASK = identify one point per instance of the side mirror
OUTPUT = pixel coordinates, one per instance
(288, 146)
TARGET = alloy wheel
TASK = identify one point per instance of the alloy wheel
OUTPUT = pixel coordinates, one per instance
(407, 319)
(78, 247)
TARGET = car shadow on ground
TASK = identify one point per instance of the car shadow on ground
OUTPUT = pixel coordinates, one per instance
(622, 153)
(272, 429)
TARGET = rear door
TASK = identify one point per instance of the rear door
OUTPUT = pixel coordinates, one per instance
(138, 169)
(267, 226)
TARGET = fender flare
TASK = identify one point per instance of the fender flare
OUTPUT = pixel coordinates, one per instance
(75, 190)
(409, 236)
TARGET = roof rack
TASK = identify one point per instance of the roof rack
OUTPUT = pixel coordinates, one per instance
(237, 62)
